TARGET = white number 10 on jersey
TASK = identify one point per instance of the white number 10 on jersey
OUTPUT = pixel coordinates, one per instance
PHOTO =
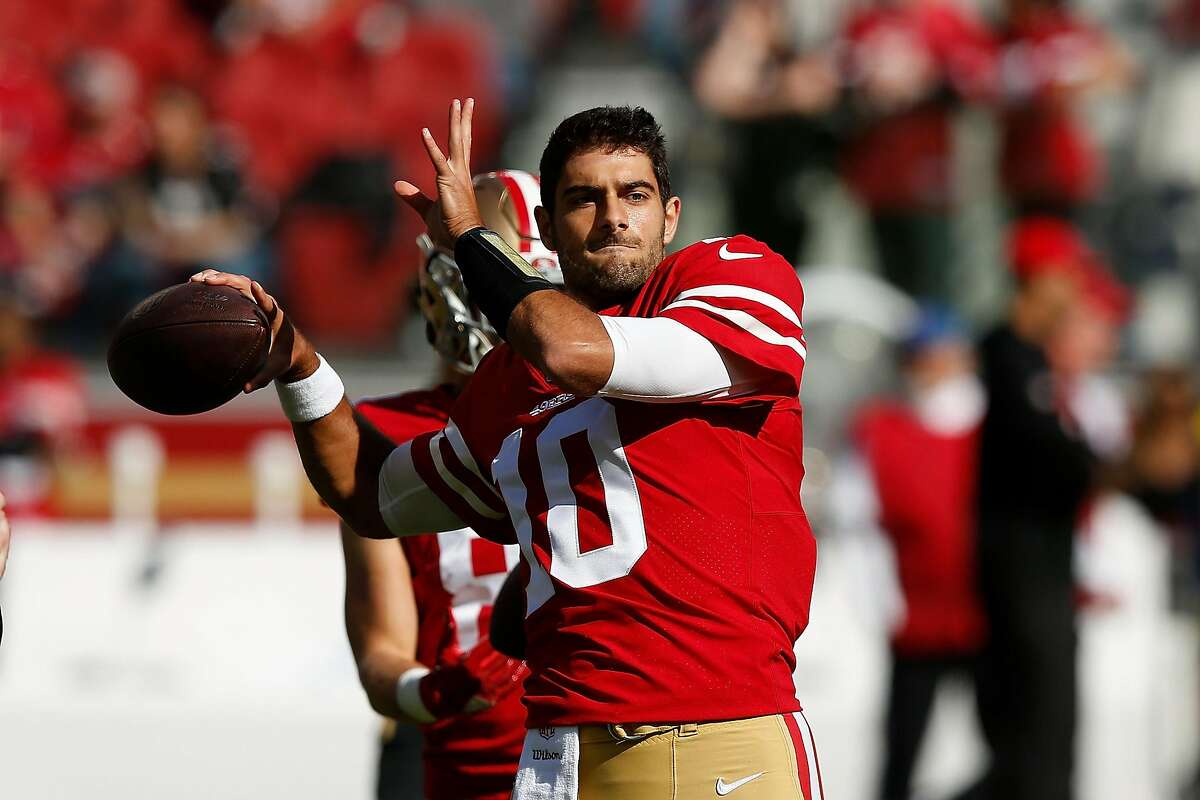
(598, 420)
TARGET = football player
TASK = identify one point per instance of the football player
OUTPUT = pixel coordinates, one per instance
(417, 615)
(639, 435)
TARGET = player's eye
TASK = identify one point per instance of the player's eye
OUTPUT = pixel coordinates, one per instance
(638, 197)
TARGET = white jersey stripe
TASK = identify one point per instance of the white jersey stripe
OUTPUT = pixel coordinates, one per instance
(746, 322)
(459, 446)
(810, 754)
(743, 293)
(460, 488)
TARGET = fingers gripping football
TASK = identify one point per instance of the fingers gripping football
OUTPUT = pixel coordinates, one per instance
(291, 357)
(453, 210)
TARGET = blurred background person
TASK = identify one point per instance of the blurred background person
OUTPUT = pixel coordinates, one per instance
(188, 206)
(921, 452)
(906, 65)
(1052, 60)
(68, 260)
(1164, 461)
(1163, 474)
(1036, 473)
(771, 86)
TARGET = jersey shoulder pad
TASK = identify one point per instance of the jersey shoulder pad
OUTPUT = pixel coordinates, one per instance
(734, 251)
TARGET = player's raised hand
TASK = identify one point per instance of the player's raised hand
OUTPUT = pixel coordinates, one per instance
(292, 357)
(453, 210)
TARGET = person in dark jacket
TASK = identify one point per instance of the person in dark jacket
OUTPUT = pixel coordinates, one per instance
(1035, 475)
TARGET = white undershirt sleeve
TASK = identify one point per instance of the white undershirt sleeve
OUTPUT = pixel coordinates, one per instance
(406, 502)
(661, 360)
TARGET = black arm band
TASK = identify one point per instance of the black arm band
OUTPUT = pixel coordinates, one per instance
(496, 277)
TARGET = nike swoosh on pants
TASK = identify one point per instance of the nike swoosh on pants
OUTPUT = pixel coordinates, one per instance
(724, 788)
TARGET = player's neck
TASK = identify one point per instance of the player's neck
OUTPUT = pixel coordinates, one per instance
(598, 300)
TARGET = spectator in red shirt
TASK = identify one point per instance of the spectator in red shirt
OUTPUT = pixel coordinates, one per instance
(906, 64)
(926, 509)
(1050, 162)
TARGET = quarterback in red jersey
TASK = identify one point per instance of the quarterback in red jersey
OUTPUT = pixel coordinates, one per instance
(639, 435)
(427, 603)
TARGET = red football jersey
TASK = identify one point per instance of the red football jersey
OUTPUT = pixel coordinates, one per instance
(927, 509)
(669, 562)
(455, 576)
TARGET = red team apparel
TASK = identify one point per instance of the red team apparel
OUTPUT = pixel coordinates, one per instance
(669, 562)
(455, 576)
(929, 514)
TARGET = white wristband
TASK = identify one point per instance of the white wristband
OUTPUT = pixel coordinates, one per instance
(408, 694)
(313, 397)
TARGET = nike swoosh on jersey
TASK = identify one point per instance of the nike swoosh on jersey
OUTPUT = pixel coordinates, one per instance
(731, 255)
(724, 788)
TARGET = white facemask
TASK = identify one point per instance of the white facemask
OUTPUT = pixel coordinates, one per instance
(951, 406)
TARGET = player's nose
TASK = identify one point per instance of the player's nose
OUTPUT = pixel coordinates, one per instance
(613, 216)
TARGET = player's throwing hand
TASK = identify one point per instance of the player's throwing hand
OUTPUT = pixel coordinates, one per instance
(292, 357)
(454, 212)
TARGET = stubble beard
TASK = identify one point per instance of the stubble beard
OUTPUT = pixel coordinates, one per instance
(613, 281)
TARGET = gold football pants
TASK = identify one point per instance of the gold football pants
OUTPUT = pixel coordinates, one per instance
(761, 758)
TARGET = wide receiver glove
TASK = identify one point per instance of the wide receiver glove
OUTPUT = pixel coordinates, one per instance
(461, 683)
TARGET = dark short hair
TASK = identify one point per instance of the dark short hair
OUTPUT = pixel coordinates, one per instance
(608, 128)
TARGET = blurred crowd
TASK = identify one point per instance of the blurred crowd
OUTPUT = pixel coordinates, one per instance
(141, 139)
(1023, 173)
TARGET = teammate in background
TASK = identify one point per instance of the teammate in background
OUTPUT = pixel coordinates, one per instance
(428, 601)
(616, 436)
(926, 509)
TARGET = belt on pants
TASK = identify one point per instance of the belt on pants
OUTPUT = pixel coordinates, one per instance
(633, 731)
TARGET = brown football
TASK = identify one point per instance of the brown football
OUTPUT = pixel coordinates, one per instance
(189, 348)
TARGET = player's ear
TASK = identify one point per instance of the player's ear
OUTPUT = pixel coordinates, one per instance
(671, 223)
(545, 227)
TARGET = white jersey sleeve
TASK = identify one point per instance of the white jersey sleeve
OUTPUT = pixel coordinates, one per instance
(406, 502)
(661, 360)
